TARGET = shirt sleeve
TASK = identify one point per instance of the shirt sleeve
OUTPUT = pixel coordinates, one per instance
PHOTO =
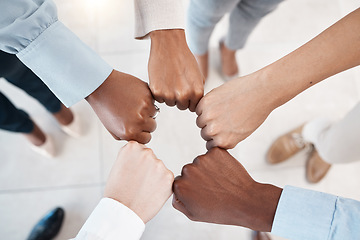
(151, 15)
(31, 30)
(306, 214)
(111, 220)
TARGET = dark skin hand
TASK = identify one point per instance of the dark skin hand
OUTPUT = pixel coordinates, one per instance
(125, 106)
(216, 188)
(174, 75)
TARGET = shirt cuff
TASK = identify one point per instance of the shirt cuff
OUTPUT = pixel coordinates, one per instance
(112, 220)
(153, 15)
(65, 64)
(303, 214)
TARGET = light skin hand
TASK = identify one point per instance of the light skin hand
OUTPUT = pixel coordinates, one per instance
(231, 112)
(174, 75)
(216, 188)
(125, 106)
(140, 181)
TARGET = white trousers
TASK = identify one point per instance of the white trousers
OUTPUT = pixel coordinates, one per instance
(336, 142)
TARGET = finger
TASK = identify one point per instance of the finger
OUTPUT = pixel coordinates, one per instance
(170, 102)
(194, 101)
(114, 136)
(150, 125)
(182, 104)
(178, 205)
(143, 137)
(199, 107)
(201, 121)
(205, 134)
(210, 144)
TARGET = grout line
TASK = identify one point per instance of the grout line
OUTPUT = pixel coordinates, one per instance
(57, 188)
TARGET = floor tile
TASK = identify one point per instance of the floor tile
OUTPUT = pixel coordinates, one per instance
(21, 210)
(77, 161)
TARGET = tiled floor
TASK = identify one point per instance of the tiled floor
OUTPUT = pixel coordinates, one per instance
(30, 185)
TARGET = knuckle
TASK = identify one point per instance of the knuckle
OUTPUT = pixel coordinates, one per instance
(187, 169)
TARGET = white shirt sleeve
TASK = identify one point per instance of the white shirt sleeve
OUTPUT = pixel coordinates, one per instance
(153, 15)
(112, 220)
(31, 30)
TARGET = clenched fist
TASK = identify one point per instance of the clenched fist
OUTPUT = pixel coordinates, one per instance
(174, 75)
(140, 181)
(125, 106)
(230, 113)
(216, 188)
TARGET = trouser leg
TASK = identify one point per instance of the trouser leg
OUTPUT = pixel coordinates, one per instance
(336, 142)
(202, 17)
(14, 71)
(13, 119)
(244, 18)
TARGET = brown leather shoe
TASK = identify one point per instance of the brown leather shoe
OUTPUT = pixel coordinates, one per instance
(261, 236)
(286, 146)
(316, 168)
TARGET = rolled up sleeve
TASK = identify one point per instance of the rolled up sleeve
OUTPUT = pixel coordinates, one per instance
(153, 15)
(31, 30)
(306, 214)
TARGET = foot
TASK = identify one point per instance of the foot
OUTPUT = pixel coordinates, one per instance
(286, 146)
(69, 123)
(49, 226)
(260, 236)
(229, 65)
(203, 62)
(316, 168)
(36, 137)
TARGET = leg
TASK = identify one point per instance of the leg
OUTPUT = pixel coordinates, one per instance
(15, 120)
(243, 19)
(19, 75)
(202, 17)
(336, 142)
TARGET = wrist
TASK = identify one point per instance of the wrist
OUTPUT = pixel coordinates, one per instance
(267, 205)
(170, 37)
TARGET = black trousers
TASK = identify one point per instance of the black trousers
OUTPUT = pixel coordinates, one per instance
(15, 72)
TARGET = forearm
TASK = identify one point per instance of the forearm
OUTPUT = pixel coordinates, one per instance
(333, 51)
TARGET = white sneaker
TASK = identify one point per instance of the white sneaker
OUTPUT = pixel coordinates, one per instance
(47, 149)
(74, 128)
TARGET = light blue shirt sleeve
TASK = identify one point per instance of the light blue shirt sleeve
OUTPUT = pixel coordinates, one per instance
(306, 214)
(31, 30)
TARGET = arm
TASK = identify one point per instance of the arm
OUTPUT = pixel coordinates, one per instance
(31, 30)
(173, 71)
(231, 116)
(138, 186)
(216, 188)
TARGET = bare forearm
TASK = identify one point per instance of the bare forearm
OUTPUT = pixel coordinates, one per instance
(334, 50)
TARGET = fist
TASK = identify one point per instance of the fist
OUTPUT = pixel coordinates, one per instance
(230, 113)
(174, 75)
(125, 106)
(216, 188)
(140, 181)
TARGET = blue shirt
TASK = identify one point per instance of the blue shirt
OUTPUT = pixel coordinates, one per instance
(31, 30)
(309, 215)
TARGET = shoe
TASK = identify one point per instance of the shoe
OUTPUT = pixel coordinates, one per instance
(286, 146)
(234, 72)
(316, 167)
(73, 129)
(47, 149)
(49, 226)
(260, 236)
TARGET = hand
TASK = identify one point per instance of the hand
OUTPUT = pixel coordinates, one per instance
(216, 188)
(140, 181)
(230, 113)
(125, 106)
(174, 75)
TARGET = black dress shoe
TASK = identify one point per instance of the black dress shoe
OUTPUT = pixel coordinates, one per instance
(49, 226)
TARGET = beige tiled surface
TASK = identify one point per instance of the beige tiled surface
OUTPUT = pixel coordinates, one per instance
(31, 185)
